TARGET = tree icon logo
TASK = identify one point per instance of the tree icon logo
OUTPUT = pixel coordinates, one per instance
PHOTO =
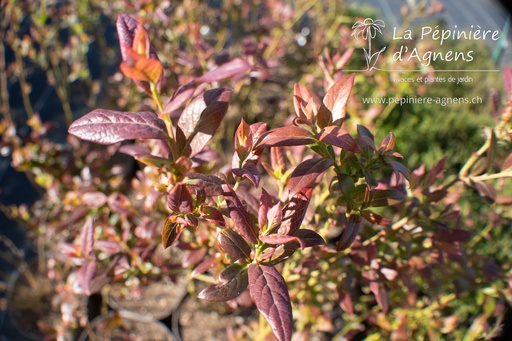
(368, 29)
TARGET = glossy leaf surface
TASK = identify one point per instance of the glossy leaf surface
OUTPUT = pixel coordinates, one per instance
(270, 294)
(108, 126)
(234, 281)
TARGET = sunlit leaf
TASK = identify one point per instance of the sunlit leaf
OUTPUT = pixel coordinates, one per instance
(108, 126)
(270, 294)
(248, 171)
(234, 281)
(338, 137)
(171, 232)
(237, 212)
(285, 136)
(333, 110)
(87, 238)
(201, 119)
(234, 244)
(179, 199)
(295, 211)
(305, 174)
(232, 68)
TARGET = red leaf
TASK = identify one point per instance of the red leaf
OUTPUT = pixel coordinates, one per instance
(234, 244)
(248, 171)
(345, 301)
(243, 141)
(308, 238)
(338, 137)
(381, 296)
(204, 266)
(333, 110)
(294, 212)
(232, 68)
(201, 119)
(376, 219)
(141, 68)
(180, 97)
(266, 204)
(234, 281)
(285, 136)
(86, 274)
(237, 212)
(349, 234)
(306, 173)
(301, 98)
(126, 29)
(108, 126)
(486, 191)
(171, 232)
(211, 184)
(277, 239)
(212, 214)
(398, 169)
(180, 199)
(87, 238)
(270, 294)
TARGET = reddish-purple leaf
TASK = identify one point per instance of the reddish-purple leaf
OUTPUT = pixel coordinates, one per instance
(376, 219)
(350, 233)
(248, 171)
(234, 281)
(126, 29)
(193, 257)
(180, 199)
(243, 141)
(87, 238)
(345, 301)
(237, 212)
(108, 126)
(204, 266)
(305, 174)
(234, 244)
(333, 110)
(277, 239)
(486, 191)
(285, 136)
(201, 119)
(301, 98)
(270, 294)
(180, 97)
(211, 184)
(338, 137)
(381, 295)
(171, 231)
(294, 212)
(265, 205)
(398, 169)
(232, 68)
(308, 238)
(212, 214)
(85, 275)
